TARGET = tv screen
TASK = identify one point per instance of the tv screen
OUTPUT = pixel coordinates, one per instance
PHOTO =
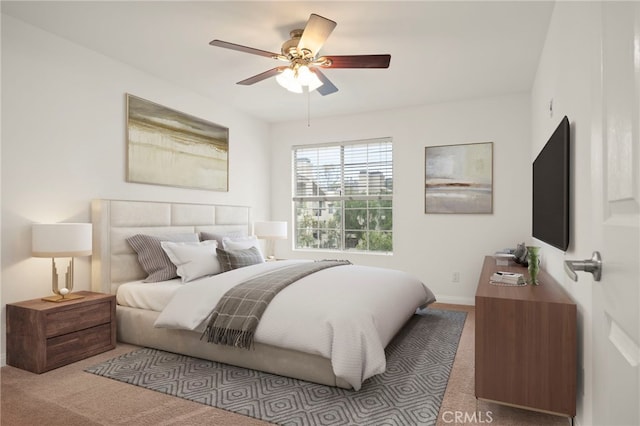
(551, 189)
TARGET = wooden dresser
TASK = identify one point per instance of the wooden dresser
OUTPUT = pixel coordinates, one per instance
(45, 335)
(525, 343)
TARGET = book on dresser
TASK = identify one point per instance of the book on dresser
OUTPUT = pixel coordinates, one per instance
(513, 278)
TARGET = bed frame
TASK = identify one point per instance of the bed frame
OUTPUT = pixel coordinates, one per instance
(114, 262)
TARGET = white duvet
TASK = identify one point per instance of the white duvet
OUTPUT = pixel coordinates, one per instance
(346, 313)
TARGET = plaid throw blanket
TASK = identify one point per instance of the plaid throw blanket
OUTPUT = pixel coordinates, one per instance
(235, 318)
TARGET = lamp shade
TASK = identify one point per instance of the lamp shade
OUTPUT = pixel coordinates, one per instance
(270, 230)
(61, 239)
(293, 79)
(287, 79)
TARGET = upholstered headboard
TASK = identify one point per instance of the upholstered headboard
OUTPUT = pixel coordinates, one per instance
(114, 262)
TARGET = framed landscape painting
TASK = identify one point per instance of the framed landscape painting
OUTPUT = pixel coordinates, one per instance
(168, 147)
(459, 178)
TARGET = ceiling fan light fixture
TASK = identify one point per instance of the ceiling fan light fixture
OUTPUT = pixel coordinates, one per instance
(288, 80)
(294, 81)
(314, 81)
(306, 77)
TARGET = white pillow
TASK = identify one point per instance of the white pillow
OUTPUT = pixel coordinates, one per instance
(193, 260)
(241, 243)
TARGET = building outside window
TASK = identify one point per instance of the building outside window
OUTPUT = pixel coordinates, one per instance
(343, 196)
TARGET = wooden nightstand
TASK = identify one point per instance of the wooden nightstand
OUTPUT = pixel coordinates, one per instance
(44, 335)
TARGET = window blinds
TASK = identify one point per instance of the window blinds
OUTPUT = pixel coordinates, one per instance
(348, 170)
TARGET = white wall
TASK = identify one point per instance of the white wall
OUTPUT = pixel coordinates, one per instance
(564, 76)
(431, 246)
(63, 144)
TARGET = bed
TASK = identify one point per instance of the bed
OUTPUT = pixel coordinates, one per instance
(144, 309)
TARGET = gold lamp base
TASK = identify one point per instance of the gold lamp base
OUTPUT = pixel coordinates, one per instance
(66, 298)
(59, 267)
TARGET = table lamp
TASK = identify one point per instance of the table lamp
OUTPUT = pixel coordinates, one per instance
(270, 231)
(61, 242)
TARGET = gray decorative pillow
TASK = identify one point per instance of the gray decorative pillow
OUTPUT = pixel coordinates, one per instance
(234, 259)
(152, 257)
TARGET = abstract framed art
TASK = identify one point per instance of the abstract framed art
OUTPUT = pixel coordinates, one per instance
(459, 178)
(168, 147)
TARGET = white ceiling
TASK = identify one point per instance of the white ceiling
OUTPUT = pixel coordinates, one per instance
(440, 51)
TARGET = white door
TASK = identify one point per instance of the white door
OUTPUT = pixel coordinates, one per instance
(616, 183)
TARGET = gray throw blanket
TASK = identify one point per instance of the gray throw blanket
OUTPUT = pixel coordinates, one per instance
(235, 318)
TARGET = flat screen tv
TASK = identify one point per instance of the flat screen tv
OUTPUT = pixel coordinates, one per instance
(551, 189)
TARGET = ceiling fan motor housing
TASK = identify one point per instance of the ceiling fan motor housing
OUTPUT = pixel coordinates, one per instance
(290, 47)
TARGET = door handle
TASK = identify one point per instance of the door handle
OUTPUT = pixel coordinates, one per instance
(593, 265)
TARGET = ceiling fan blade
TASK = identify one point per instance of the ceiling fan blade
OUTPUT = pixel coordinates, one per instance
(315, 33)
(262, 76)
(238, 47)
(355, 61)
(327, 87)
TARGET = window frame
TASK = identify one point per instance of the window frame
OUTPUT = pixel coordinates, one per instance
(375, 203)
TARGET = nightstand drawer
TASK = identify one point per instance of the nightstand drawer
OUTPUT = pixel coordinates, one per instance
(72, 347)
(78, 318)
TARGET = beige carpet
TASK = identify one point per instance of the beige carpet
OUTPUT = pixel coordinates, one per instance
(69, 396)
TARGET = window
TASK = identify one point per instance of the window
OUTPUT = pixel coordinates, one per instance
(343, 196)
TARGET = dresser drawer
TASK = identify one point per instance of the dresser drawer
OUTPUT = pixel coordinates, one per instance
(77, 318)
(73, 347)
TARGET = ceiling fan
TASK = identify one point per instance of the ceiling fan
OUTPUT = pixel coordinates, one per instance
(301, 52)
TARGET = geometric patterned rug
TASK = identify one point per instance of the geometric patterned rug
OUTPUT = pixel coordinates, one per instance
(410, 392)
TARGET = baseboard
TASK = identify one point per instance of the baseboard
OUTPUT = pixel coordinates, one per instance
(3, 359)
(456, 300)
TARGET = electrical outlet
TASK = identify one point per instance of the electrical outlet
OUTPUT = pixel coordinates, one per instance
(455, 277)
